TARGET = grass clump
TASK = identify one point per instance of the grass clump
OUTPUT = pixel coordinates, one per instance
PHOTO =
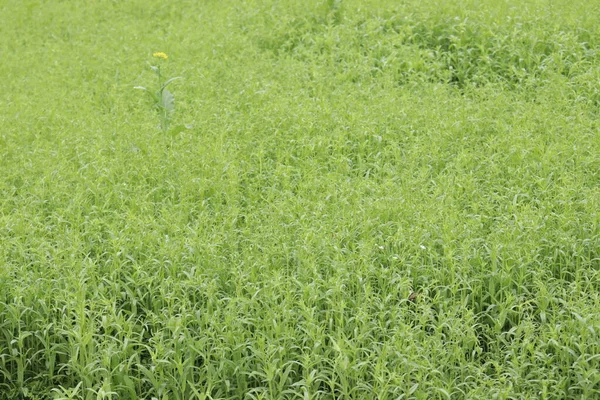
(376, 200)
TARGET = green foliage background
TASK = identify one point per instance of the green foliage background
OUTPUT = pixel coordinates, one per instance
(344, 154)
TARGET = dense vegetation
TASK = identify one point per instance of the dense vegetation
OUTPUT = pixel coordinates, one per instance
(373, 200)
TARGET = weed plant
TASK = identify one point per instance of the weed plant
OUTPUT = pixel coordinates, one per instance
(378, 200)
(163, 100)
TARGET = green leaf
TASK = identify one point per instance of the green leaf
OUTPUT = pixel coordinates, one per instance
(152, 94)
(169, 81)
(168, 101)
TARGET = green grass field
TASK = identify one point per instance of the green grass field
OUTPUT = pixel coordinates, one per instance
(354, 199)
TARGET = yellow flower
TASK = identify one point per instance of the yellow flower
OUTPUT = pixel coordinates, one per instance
(160, 54)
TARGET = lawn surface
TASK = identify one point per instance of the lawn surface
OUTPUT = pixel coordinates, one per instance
(340, 157)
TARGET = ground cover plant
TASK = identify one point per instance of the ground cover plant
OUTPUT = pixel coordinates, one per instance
(374, 200)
